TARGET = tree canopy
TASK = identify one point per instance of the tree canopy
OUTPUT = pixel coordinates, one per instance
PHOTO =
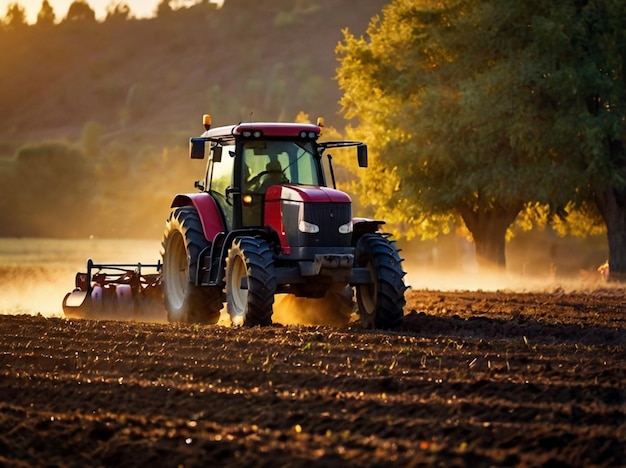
(46, 16)
(118, 12)
(80, 10)
(15, 17)
(479, 110)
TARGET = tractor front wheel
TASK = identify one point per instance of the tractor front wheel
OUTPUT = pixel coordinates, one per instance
(381, 303)
(185, 300)
(250, 282)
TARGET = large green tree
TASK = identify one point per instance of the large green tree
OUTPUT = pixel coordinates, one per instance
(460, 104)
(584, 85)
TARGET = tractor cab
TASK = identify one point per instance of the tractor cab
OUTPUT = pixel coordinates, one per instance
(247, 159)
(267, 162)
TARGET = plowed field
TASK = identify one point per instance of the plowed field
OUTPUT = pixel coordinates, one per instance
(472, 379)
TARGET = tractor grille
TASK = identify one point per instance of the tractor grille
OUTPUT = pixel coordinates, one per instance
(328, 216)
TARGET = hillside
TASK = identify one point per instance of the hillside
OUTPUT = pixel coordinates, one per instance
(97, 116)
(149, 81)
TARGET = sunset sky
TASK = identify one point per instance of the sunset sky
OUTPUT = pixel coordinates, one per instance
(139, 8)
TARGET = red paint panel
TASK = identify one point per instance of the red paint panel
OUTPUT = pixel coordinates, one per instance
(210, 215)
(306, 194)
(274, 218)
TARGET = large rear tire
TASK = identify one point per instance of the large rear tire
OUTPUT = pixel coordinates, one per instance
(185, 301)
(381, 303)
(250, 282)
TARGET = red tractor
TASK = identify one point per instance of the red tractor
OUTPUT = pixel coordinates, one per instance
(265, 222)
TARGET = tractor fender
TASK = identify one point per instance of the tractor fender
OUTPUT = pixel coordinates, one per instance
(362, 226)
(208, 211)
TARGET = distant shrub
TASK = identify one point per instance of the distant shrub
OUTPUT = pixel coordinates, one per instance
(54, 186)
(164, 8)
(80, 11)
(34, 154)
(52, 170)
(15, 17)
(118, 12)
(46, 16)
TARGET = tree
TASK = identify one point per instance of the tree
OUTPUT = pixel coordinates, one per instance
(585, 83)
(46, 15)
(436, 109)
(55, 185)
(573, 70)
(118, 12)
(164, 8)
(460, 106)
(80, 10)
(16, 16)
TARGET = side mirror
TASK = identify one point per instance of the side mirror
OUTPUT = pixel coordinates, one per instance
(361, 154)
(217, 153)
(196, 148)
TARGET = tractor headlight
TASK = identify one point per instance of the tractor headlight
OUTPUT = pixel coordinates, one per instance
(309, 228)
(308, 135)
(252, 133)
(345, 228)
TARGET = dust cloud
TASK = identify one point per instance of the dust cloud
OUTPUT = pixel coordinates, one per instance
(535, 262)
(32, 290)
(333, 309)
(36, 274)
(458, 280)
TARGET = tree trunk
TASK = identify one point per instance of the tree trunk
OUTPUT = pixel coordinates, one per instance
(611, 203)
(612, 206)
(490, 247)
(488, 227)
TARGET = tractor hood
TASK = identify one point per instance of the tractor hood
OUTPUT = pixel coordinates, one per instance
(308, 194)
(306, 216)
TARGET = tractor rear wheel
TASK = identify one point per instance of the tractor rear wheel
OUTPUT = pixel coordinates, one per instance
(381, 303)
(250, 282)
(185, 301)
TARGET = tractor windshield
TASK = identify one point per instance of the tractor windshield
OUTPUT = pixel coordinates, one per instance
(270, 162)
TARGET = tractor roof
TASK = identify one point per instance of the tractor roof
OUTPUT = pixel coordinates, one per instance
(265, 129)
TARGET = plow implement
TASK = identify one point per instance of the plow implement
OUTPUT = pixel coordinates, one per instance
(122, 291)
